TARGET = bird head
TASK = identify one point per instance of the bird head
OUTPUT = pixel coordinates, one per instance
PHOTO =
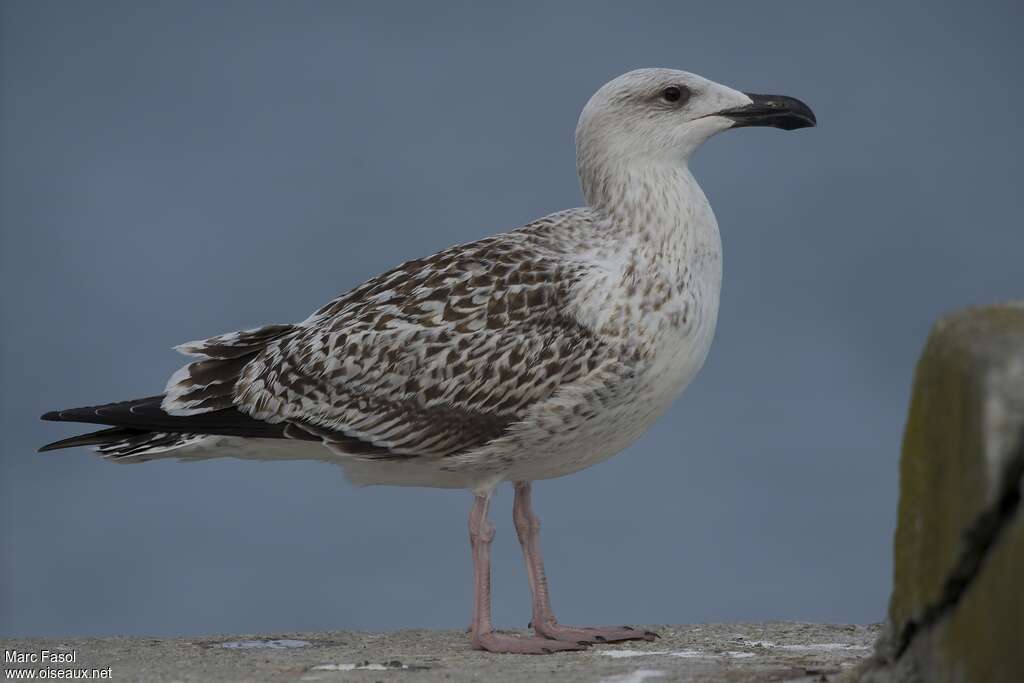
(663, 115)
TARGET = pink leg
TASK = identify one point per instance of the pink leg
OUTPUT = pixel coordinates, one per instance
(544, 622)
(481, 632)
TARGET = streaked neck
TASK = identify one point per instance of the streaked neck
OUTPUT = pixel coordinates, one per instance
(657, 200)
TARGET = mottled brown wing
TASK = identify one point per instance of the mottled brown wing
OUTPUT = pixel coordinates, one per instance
(436, 357)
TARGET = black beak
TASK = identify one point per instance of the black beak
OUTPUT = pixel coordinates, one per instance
(778, 111)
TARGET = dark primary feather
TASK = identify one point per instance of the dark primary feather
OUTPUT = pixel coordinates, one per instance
(145, 415)
(143, 423)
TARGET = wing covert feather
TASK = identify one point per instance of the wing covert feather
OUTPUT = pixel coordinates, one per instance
(436, 357)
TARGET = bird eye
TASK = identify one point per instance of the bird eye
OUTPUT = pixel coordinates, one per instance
(675, 94)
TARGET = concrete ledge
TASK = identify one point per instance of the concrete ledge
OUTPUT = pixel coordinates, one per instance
(776, 651)
(957, 607)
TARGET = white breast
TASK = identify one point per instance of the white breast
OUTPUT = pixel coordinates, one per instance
(653, 294)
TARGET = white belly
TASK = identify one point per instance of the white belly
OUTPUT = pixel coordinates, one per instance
(554, 445)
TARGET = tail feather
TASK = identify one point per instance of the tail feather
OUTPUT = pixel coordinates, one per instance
(103, 436)
(117, 443)
(146, 446)
(235, 344)
(209, 383)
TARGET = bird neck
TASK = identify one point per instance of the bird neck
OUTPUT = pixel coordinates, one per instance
(659, 246)
(659, 205)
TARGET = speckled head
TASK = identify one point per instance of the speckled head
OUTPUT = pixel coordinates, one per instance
(663, 115)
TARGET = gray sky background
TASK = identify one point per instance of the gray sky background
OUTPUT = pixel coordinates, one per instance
(174, 170)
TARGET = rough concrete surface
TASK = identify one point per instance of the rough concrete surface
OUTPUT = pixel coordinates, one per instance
(957, 607)
(777, 651)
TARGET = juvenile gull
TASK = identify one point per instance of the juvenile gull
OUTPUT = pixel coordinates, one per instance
(527, 355)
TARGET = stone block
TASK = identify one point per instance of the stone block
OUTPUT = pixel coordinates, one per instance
(957, 608)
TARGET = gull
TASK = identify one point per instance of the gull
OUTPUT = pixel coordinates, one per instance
(527, 355)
